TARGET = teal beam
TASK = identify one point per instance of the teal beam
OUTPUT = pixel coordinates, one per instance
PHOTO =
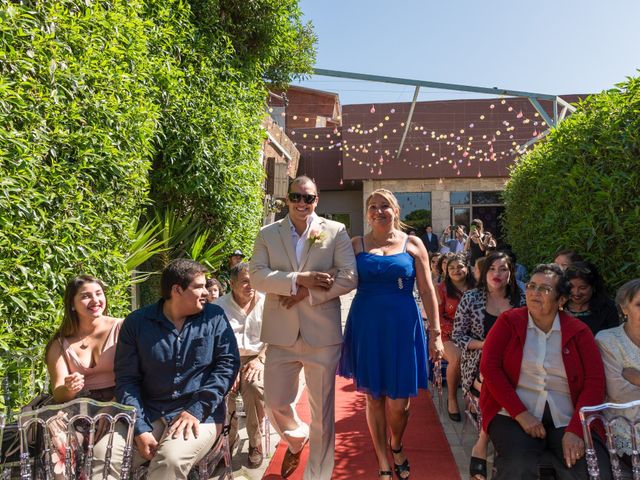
(423, 83)
(543, 112)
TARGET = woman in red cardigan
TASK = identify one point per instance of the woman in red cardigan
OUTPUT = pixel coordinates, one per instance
(540, 366)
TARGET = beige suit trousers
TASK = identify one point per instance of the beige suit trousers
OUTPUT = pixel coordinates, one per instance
(252, 394)
(282, 372)
(173, 460)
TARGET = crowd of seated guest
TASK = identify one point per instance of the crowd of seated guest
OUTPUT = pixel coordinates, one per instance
(526, 350)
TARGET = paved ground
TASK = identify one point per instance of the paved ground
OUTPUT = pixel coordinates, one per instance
(461, 436)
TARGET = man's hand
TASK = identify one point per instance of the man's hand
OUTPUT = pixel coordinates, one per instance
(572, 448)
(252, 371)
(184, 424)
(236, 384)
(315, 280)
(631, 375)
(74, 382)
(531, 425)
(147, 445)
(288, 302)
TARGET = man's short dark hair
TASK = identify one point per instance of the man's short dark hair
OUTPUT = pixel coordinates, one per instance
(301, 180)
(235, 271)
(179, 272)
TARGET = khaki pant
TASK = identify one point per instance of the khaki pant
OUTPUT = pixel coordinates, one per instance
(282, 371)
(252, 394)
(173, 460)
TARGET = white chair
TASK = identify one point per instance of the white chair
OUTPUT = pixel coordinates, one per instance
(60, 439)
(615, 418)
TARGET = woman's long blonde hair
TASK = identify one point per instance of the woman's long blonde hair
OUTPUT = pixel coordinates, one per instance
(393, 201)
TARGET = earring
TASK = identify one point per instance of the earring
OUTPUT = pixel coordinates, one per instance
(73, 309)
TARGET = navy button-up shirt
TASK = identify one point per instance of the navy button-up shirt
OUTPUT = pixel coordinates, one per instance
(162, 372)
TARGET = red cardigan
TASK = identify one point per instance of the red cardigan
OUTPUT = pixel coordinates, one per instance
(502, 360)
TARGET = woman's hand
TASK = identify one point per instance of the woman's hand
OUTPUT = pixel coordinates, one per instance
(74, 383)
(631, 375)
(531, 425)
(436, 348)
(572, 448)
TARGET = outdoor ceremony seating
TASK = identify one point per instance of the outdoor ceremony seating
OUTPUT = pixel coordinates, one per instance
(57, 441)
(615, 419)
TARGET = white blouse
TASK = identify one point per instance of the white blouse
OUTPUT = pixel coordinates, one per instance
(619, 352)
(246, 328)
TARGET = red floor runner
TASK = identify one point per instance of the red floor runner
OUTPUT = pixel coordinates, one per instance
(424, 442)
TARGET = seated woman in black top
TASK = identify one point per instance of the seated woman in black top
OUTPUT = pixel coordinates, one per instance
(588, 301)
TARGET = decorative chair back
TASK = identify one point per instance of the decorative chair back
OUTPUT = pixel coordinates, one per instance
(622, 426)
(437, 384)
(58, 440)
(472, 411)
(23, 376)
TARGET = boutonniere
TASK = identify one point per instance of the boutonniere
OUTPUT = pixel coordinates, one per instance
(315, 236)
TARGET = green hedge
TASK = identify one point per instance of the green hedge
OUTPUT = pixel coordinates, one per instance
(77, 122)
(579, 188)
(108, 107)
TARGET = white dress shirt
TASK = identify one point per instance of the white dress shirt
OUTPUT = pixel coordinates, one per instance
(246, 328)
(298, 245)
(543, 378)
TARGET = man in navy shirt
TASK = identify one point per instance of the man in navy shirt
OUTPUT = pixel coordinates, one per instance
(175, 362)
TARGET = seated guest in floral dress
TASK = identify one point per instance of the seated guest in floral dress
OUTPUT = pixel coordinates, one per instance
(540, 366)
(620, 350)
(458, 280)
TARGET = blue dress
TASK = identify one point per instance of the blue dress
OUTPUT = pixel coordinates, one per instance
(384, 348)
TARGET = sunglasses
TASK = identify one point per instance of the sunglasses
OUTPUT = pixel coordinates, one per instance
(308, 198)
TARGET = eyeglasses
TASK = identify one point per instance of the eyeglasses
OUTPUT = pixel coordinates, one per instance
(543, 289)
(308, 198)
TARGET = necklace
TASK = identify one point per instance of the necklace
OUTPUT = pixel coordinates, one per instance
(387, 244)
(83, 346)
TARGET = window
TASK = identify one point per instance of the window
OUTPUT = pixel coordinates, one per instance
(415, 209)
(460, 198)
(484, 205)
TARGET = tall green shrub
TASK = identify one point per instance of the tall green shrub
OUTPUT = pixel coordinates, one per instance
(77, 117)
(580, 188)
(207, 162)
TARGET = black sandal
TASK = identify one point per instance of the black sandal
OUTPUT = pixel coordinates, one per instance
(400, 468)
(478, 466)
(385, 473)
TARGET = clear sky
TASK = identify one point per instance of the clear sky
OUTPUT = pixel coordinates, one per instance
(555, 47)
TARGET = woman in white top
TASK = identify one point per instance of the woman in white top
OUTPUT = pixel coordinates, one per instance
(620, 349)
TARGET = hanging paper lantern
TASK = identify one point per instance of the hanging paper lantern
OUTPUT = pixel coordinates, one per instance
(481, 117)
(492, 106)
(379, 171)
(341, 182)
(381, 160)
(373, 109)
(471, 125)
(535, 133)
(393, 110)
(519, 115)
(479, 174)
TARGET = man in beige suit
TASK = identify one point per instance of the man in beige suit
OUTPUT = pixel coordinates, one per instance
(303, 263)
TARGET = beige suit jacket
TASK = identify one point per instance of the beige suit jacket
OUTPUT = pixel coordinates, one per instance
(273, 263)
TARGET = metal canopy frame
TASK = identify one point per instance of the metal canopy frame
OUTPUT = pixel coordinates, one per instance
(533, 97)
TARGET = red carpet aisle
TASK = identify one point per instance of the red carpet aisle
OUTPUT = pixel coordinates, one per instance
(425, 442)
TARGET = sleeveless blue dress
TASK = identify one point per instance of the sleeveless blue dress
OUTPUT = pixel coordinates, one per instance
(384, 348)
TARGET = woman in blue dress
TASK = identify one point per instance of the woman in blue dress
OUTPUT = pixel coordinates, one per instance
(384, 349)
